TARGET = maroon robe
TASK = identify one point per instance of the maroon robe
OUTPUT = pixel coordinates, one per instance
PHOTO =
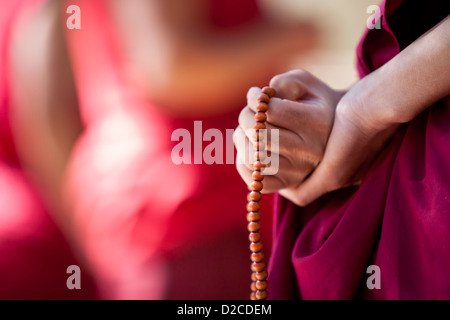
(398, 218)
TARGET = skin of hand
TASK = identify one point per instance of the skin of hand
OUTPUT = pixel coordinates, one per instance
(303, 112)
(370, 113)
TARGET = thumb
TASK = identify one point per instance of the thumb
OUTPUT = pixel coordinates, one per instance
(291, 85)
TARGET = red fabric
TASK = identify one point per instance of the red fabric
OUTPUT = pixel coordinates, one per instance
(398, 218)
(7, 14)
(34, 255)
(136, 212)
(227, 14)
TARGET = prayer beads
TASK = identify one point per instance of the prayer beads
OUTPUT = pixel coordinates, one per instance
(259, 282)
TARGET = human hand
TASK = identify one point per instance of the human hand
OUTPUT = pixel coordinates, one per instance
(354, 143)
(369, 115)
(303, 112)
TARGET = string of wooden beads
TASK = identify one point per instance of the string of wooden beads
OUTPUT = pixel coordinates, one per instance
(259, 282)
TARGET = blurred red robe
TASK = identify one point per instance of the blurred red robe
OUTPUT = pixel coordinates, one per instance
(34, 254)
(151, 229)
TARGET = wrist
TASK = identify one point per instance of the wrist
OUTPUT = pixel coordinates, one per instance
(407, 84)
(372, 105)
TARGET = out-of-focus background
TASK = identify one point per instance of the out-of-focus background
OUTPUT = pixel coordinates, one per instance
(87, 118)
(341, 24)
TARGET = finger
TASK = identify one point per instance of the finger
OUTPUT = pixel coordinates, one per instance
(246, 118)
(270, 183)
(287, 174)
(293, 115)
(244, 148)
(243, 170)
(293, 150)
(247, 122)
(275, 164)
(246, 151)
(290, 115)
(331, 174)
(252, 97)
(291, 85)
(279, 112)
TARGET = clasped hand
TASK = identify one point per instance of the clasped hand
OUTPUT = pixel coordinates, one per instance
(325, 142)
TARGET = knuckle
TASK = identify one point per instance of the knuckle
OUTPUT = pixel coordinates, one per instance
(299, 72)
(277, 80)
(301, 202)
(252, 92)
(281, 81)
(298, 199)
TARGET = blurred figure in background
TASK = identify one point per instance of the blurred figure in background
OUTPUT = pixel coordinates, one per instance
(97, 143)
(151, 228)
(36, 97)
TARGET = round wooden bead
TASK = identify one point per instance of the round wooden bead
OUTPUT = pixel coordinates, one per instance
(257, 135)
(257, 257)
(257, 176)
(261, 285)
(260, 116)
(259, 155)
(256, 247)
(258, 266)
(262, 107)
(253, 217)
(253, 206)
(258, 165)
(269, 91)
(259, 126)
(259, 146)
(261, 294)
(254, 196)
(263, 98)
(261, 275)
(256, 186)
(254, 237)
(254, 226)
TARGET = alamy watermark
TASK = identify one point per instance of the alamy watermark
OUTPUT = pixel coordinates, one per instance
(374, 280)
(374, 20)
(74, 20)
(73, 281)
(220, 149)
